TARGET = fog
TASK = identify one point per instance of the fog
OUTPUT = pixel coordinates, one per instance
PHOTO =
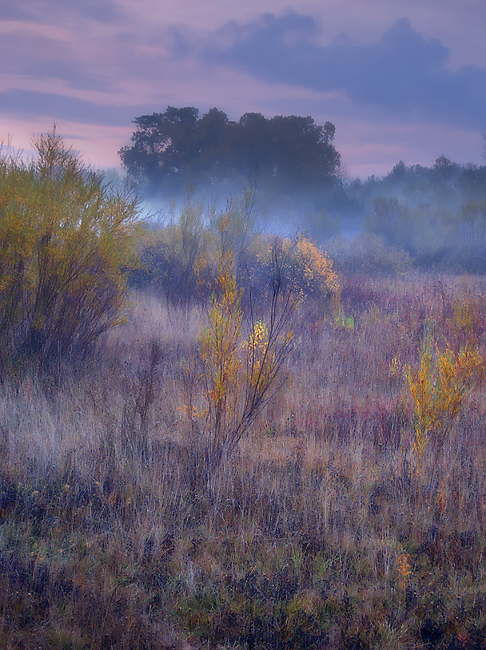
(434, 215)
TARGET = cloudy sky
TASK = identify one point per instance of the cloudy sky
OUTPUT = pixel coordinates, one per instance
(400, 79)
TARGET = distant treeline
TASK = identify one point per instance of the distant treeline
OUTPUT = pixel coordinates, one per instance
(436, 215)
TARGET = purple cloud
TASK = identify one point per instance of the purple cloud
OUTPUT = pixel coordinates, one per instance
(27, 103)
(402, 71)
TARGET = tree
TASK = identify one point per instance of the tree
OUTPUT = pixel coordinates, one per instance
(213, 146)
(303, 154)
(162, 142)
(391, 220)
(66, 242)
(176, 147)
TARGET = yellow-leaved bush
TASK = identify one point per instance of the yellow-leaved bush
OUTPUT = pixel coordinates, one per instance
(314, 266)
(439, 388)
(242, 373)
(66, 245)
(305, 265)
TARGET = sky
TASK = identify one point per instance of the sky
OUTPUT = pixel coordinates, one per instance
(400, 79)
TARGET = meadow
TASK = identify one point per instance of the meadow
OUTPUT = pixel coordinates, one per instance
(342, 518)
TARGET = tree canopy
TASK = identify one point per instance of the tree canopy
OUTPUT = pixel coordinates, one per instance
(178, 147)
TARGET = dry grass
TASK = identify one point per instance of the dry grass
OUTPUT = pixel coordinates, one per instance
(320, 532)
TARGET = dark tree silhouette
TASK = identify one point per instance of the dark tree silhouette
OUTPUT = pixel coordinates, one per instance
(178, 147)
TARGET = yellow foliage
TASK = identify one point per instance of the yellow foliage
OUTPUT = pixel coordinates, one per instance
(394, 367)
(317, 266)
(66, 244)
(239, 374)
(302, 265)
(422, 390)
(220, 345)
(439, 389)
(404, 568)
(259, 355)
(313, 266)
(455, 374)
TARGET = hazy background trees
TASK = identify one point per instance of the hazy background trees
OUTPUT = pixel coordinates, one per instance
(436, 215)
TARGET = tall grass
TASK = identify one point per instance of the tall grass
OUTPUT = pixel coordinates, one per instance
(318, 532)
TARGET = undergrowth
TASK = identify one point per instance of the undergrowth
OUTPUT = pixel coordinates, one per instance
(317, 532)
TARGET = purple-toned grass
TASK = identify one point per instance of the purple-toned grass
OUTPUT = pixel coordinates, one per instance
(321, 531)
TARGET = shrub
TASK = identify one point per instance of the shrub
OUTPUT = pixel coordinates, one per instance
(369, 254)
(439, 390)
(179, 258)
(300, 265)
(242, 376)
(66, 242)
(169, 257)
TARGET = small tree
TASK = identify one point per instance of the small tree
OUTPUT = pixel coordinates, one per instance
(242, 375)
(66, 242)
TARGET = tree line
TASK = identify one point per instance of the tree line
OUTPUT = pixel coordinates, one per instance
(436, 214)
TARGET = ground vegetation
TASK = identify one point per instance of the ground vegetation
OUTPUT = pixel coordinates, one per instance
(291, 457)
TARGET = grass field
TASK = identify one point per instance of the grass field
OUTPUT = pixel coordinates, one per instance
(324, 529)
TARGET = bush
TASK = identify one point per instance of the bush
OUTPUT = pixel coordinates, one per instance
(179, 258)
(66, 242)
(231, 364)
(368, 254)
(170, 255)
(302, 264)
